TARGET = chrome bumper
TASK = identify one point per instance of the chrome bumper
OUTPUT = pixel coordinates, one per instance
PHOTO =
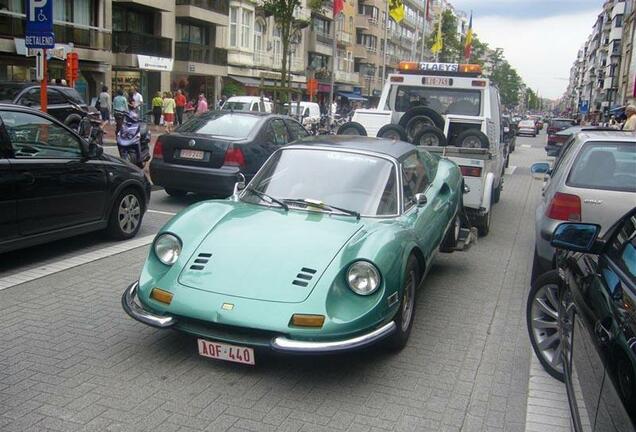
(139, 313)
(282, 344)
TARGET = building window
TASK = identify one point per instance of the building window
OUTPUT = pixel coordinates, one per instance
(259, 36)
(320, 25)
(246, 28)
(233, 25)
(133, 21)
(618, 21)
(351, 27)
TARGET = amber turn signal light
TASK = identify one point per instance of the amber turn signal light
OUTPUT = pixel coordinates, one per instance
(301, 320)
(161, 296)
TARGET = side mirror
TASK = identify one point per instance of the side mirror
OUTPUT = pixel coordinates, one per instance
(95, 150)
(540, 169)
(239, 185)
(420, 199)
(576, 237)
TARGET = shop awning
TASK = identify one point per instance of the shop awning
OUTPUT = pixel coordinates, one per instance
(352, 96)
(256, 82)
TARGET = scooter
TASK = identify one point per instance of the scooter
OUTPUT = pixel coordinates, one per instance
(133, 140)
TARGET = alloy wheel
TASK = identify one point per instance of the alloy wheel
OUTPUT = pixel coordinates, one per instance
(408, 301)
(545, 325)
(129, 213)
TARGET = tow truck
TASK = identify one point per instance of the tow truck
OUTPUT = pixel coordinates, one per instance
(448, 109)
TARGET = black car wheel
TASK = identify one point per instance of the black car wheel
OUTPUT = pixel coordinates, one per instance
(452, 236)
(415, 119)
(471, 138)
(430, 136)
(542, 317)
(126, 215)
(391, 131)
(406, 312)
(352, 128)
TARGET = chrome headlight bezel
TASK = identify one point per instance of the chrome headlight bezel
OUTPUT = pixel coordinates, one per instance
(363, 278)
(167, 248)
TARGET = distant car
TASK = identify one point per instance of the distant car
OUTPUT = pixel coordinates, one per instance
(582, 322)
(248, 103)
(559, 124)
(556, 140)
(64, 103)
(206, 153)
(527, 127)
(54, 185)
(593, 181)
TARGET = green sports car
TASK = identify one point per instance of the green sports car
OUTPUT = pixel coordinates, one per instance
(321, 252)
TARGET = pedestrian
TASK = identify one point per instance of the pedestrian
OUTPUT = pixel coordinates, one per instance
(168, 111)
(104, 105)
(180, 103)
(137, 101)
(157, 108)
(120, 108)
(202, 105)
(630, 123)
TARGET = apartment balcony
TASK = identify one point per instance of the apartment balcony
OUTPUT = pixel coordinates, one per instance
(347, 77)
(294, 64)
(81, 36)
(410, 21)
(212, 11)
(344, 38)
(320, 43)
(137, 43)
(359, 51)
(185, 51)
(361, 21)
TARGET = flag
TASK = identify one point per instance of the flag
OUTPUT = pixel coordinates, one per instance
(438, 45)
(338, 6)
(468, 43)
(396, 10)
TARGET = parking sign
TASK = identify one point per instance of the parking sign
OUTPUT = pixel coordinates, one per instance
(39, 24)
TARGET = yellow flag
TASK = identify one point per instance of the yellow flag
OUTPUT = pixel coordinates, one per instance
(438, 45)
(396, 10)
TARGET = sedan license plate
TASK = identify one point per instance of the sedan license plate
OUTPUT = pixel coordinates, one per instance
(191, 154)
(222, 351)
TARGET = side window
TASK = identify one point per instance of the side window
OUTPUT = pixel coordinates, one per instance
(296, 130)
(255, 106)
(414, 178)
(55, 97)
(34, 137)
(279, 132)
(622, 249)
(31, 97)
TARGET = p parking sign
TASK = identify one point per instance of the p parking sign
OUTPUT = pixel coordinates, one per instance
(39, 24)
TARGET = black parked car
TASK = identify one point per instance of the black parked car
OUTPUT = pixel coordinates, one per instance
(206, 153)
(587, 316)
(64, 103)
(53, 184)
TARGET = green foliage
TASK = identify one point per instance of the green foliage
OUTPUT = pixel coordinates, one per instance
(505, 77)
(453, 49)
(533, 101)
(231, 88)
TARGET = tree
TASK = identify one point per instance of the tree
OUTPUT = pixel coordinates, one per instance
(532, 100)
(505, 77)
(479, 52)
(452, 50)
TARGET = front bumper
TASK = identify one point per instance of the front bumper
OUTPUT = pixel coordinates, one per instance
(277, 343)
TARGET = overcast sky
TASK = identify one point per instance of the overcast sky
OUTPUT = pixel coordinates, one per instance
(540, 38)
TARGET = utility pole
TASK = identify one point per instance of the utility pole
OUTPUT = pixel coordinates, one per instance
(386, 36)
(334, 59)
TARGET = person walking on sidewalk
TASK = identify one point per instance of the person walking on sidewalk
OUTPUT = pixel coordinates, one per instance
(104, 105)
(120, 108)
(157, 108)
(180, 103)
(630, 123)
(168, 111)
(137, 102)
(202, 105)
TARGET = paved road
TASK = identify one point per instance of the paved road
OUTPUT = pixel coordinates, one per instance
(71, 359)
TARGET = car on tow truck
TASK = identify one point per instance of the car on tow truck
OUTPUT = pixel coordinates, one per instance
(451, 110)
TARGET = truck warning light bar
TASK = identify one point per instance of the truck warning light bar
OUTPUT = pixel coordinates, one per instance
(411, 67)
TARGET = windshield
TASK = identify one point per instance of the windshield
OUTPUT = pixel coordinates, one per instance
(561, 124)
(361, 183)
(605, 165)
(237, 106)
(442, 100)
(226, 125)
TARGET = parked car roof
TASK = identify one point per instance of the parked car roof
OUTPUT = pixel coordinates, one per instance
(395, 149)
(603, 134)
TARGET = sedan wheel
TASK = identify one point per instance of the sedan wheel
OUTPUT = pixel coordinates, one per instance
(542, 317)
(406, 312)
(126, 216)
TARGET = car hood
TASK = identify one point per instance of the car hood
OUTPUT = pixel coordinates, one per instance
(267, 254)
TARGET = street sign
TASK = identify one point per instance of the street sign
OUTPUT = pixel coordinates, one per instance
(585, 106)
(40, 58)
(39, 24)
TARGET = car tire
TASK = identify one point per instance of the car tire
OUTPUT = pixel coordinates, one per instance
(178, 193)
(404, 320)
(430, 136)
(449, 243)
(415, 118)
(496, 193)
(126, 215)
(542, 319)
(352, 128)
(392, 131)
(472, 138)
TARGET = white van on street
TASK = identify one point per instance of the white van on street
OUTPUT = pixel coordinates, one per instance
(248, 103)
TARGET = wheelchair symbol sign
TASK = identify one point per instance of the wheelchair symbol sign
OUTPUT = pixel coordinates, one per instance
(39, 17)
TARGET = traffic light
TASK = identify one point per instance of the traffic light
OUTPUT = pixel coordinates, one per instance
(72, 68)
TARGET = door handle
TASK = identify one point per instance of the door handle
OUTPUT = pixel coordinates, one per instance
(603, 334)
(26, 178)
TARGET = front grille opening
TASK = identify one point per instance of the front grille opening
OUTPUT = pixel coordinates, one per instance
(200, 261)
(303, 278)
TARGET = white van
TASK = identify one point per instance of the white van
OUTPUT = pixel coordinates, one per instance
(248, 103)
(448, 109)
(308, 113)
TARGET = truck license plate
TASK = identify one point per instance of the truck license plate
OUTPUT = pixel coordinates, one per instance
(437, 81)
(222, 351)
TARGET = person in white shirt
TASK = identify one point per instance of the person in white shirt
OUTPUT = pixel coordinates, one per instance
(138, 101)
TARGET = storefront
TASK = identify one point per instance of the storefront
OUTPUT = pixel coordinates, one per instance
(194, 85)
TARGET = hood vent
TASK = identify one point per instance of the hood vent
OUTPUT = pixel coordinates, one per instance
(303, 278)
(200, 261)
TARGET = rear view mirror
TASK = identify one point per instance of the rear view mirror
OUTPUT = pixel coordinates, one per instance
(420, 199)
(576, 237)
(540, 169)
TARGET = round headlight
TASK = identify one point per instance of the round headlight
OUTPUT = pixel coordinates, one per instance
(168, 248)
(363, 278)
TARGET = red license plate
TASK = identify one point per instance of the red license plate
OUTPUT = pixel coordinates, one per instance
(191, 154)
(227, 352)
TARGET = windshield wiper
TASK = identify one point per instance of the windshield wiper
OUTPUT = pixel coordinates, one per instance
(308, 202)
(265, 197)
